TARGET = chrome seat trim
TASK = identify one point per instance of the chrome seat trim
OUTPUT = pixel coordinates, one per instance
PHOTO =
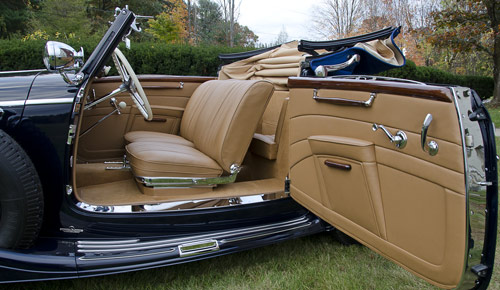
(180, 182)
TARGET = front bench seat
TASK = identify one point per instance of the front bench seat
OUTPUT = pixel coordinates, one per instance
(219, 121)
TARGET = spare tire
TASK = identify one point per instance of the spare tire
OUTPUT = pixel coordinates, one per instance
(21, 196)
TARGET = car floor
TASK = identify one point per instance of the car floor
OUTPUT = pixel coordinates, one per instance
(127, 192)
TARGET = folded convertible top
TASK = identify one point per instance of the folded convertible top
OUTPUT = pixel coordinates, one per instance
(333, 45)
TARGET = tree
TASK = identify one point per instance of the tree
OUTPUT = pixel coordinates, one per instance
(230, 13)
(337, 18)
(282, 37)
(210, 26)
(170, 25)
(63, 18)
(471, 25)
(243, 36)
(14, 17)
(99, 12)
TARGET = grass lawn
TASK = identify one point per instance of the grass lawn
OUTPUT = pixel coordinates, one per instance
(315, 262)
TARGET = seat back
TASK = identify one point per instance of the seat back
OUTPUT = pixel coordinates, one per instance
(268, 125)
(222, 115)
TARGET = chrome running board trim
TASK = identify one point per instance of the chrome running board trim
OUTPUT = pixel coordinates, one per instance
(198, 248)
(222, 237)
(183, 204)
(85, 258)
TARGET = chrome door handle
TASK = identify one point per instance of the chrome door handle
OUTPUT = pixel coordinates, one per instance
(432, 147)
(400, 139)
(344, 102)
(323, 70)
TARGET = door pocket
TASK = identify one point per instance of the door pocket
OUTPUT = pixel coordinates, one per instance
(348, 176)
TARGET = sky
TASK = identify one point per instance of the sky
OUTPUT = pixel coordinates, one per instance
(266, 18)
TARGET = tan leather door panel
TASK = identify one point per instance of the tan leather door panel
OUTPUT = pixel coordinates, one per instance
(401, 202)
(168, 96)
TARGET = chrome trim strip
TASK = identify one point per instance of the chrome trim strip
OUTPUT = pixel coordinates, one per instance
(183, 205)
(467, 220)
(22, 71)
(376, 78)
(84, 258)
(475, 194)
(119, 250)
(11, 103)
(264, 234)
(113, 246)
(37, 102)
(114, 242)
(50, 101)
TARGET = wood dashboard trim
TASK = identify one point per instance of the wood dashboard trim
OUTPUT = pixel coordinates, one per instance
(158, 78)
(430, 92)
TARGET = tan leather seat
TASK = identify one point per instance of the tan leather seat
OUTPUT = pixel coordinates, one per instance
(266, 142)
(219, 121)
(158, 159)
(156, 137)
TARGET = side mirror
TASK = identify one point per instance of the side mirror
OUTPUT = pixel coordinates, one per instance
(60, 56)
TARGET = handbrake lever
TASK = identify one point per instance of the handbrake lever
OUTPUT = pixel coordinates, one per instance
(122, 105)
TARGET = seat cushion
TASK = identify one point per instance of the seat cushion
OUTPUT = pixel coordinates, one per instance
(157, 137)
(153, 159)
(264, 146)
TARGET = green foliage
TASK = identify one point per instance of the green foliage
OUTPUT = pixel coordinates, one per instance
(14, 16)
(145, 57)
(170, 25)
(210, 25)
(481, 84)
(99, 12)
(65, 18)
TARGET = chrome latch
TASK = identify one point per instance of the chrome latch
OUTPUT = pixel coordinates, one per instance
(484, 183)
(400, 139)
(432, 147)
(71, 230)
(287, 186)
(69, 189)
(71, 134)
(123, 165)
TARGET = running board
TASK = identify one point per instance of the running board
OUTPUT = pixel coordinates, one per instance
(182, 247)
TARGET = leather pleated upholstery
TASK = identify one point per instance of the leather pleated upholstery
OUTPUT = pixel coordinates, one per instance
(216, 129)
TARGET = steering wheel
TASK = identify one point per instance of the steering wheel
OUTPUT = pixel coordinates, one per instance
(131, 82)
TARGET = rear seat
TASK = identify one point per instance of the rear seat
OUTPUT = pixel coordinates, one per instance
(265, 141)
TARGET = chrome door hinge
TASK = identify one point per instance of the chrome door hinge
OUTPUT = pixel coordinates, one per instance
(484, 183)
(287, 186)
(480, 270)
(71, 134)
(71, 230)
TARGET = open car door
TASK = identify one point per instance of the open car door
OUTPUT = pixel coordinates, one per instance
(405, 168)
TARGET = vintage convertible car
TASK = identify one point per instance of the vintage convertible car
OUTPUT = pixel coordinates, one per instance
(199, 167)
